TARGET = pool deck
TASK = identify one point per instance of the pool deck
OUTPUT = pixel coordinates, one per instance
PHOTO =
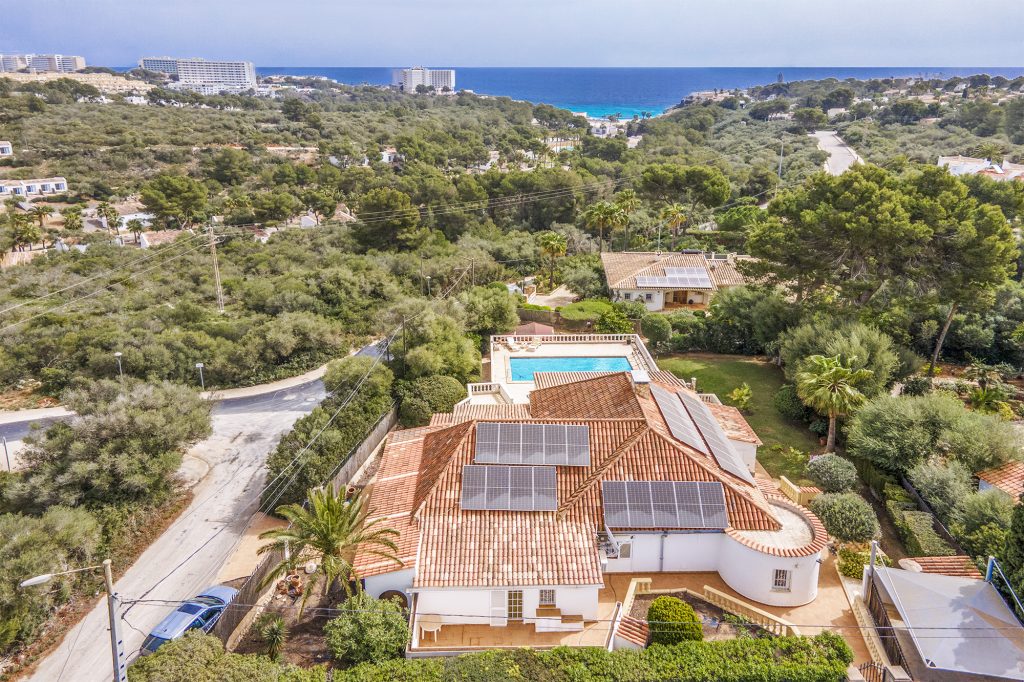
(504, 348)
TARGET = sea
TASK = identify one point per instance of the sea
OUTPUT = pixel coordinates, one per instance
(599, 92)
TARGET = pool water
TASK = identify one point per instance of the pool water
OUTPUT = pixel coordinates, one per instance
(524, 368)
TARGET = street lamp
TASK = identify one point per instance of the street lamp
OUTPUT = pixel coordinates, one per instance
(202, 383)
(120, 369)
(116, 644)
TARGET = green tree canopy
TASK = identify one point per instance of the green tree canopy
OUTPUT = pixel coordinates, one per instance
(177, 201)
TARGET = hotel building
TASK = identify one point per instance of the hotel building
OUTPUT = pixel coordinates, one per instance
(55, 63)
(407, 80)
(208, 77)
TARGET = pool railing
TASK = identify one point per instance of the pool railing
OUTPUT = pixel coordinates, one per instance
(633, 340)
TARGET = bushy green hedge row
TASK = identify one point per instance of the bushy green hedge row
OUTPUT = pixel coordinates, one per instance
(823, 658)
(917, 532)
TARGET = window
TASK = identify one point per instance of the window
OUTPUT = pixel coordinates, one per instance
(627, 295)
(547, 598)
(781, 581)
(515, 604)
(648, 297)
(625, 550)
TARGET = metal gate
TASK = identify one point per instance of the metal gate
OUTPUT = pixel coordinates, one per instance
(876, 672)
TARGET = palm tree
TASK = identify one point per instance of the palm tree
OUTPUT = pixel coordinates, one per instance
(604, 215)
(552, 245)
(24, 232)
(828, 386)
(274, 633)
(674, 217)
(110, 214)
(329, 530)
(41, 213)
(72, 219)
(136, 227)
(629, 202)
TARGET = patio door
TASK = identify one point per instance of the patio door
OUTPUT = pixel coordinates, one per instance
(499, 606)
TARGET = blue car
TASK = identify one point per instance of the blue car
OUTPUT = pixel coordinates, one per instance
(200, 613)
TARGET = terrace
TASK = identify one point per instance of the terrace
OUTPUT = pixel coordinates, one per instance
(577, 352)
(830, 610)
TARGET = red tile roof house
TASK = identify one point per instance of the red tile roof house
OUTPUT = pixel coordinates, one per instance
(664, 281)
(1009, 478)
(512, 519)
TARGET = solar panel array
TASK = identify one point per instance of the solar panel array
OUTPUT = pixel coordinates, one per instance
(713, 433)
(664, 504)
(678, 419)
(509, 488)
(680, 278)
(552, 444)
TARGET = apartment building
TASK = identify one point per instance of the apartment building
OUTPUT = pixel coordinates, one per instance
(30, 188)
(6, 149)
(407, 80)
(207, 77)
(50, 63)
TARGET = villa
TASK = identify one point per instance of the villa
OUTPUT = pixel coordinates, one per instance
(665, 281)
(28, 188)
(523, 518)
(6, 148)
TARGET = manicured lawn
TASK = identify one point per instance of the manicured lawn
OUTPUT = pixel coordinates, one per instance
(720, 374)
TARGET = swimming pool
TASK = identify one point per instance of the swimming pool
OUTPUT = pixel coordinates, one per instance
(523, 368)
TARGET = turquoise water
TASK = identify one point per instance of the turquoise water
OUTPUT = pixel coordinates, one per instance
(628, 91)
(524, 368)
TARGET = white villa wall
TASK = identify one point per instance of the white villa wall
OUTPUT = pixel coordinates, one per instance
(474, 606)
(656, 303)
(748, 451)
(749, 572)
(400, 581)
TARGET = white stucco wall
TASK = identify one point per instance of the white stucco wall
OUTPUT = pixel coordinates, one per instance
(751, 573)
(745, 570)
(400, 581)
(475, 605)
(656, 303)
(748, 451)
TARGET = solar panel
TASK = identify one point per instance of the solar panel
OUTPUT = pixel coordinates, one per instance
(532, 444)
(509, 488)
(678, 419)
(697, 279)
(709, 427)
(664, 504)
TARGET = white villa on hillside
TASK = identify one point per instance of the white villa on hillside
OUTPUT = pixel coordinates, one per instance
(967, 165)
(6, 148)
(516, 517)
(28, 188)
(669, 280)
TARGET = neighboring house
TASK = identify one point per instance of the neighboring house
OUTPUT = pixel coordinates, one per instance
(966, 165)
(944, 628)
(6, 148)
(145, 218)
(517, 515)
(29, 188)
(663, 281)
(148, 240)
(1009, 478)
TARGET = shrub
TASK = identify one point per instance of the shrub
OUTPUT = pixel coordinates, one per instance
(273, 632)
(917, 532)
(789, 405)
(368, 630)
(832, 473)
(943, 487)
(584, 311)
(656, 328)
(917, 385)
(897, 433)
(852, 560)
(895, 494)
(672, 621)
(741, 397)
(846, 516)
(613, 322)
(345, 374)
(423, 396)
(860, 346)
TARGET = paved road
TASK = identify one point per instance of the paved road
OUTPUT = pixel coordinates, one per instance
(188, 556)
(840, 156)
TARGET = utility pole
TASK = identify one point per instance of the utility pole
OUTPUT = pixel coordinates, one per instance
(216, 267)
(7, 455)
(782, 144)
(116, 643)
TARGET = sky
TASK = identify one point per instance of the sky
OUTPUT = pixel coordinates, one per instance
(527, 32)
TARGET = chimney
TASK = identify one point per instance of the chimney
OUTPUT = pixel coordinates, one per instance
(641, 383)
(693, 384)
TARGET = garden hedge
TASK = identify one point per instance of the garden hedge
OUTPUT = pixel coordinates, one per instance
(823, 658)
(917, 532)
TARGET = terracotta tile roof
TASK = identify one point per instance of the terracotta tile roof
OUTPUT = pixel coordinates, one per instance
(604, 397)
(734, 424)
(634, 630)
(622, 269)
(549, 379)
(819, 536)
(958, 566)
(1009, 478)
(667, 379)
(468, 412)
(418, 489)
(724, 273)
